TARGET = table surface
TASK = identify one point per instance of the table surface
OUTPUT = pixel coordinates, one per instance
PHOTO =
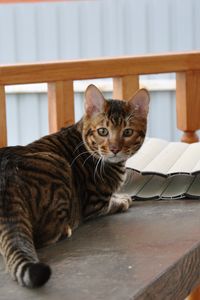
(150, 252)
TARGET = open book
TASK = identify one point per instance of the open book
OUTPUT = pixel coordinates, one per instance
(163, 170)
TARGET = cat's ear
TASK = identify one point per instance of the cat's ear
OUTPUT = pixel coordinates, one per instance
(140, 101)
(94, 101)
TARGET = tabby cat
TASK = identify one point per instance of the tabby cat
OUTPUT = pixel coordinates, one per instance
(49, 187)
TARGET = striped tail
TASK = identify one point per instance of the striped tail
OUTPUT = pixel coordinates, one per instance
(21, 258)
(33, 275)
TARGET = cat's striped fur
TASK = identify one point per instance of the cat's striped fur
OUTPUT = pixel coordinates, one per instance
(50, 186)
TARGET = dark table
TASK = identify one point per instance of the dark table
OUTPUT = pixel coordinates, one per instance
(150, 252)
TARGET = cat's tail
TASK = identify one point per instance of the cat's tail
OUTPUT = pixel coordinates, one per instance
(34, 275)
(21, 258)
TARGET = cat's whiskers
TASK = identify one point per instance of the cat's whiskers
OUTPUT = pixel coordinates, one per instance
(78, 146)
(102, 171)
(82, 153)
(91, 155)
(96, 168)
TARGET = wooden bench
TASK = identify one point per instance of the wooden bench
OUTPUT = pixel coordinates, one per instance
(185, 256)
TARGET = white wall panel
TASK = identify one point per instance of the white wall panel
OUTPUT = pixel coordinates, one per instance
(196, 23)
(158, 26)
(7, 35)
(88, 29)
(69, 31)
(182, 25)
(91, 33)
(46, 23)
(28, 110)
(25, 34)
(13, 129)
(45, 31)
(135, 28)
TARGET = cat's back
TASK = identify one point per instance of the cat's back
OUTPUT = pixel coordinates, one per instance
(48, 148)
(20, 164)
(8, 156)
(46, 161)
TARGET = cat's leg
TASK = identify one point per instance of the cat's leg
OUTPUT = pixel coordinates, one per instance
(104, 206)
(119, 203)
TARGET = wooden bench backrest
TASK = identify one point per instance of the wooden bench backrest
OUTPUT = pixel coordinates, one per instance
(125, 72)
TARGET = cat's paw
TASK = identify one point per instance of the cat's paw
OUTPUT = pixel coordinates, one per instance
(67, 232)
(119, 203)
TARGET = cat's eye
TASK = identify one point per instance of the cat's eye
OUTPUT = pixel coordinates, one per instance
(128, 132)
(102, 131)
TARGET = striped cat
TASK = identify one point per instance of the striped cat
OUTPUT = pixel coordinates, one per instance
(49, 187)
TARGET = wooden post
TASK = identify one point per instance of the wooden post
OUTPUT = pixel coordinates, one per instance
(3, 130)
(195, 295)
(125, 87)
(188, 104)
(60, 104)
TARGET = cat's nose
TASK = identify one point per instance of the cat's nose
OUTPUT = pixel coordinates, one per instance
(114, 149)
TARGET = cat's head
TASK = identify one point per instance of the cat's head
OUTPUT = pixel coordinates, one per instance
(114, 129)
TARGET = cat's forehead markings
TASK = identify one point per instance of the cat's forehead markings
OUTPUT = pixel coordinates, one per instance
(125, 122)
(116, 120)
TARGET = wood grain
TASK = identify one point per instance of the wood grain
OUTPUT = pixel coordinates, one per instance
(125, 87)
(151, 252)
(188, 103)
(189, 137)
(60, 105)
(98, 68)
(3, 130)
(195, 295)
(178, 281)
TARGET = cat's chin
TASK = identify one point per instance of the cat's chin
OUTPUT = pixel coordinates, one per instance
(116, 159)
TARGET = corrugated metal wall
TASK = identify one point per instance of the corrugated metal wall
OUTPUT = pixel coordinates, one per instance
(86, 29)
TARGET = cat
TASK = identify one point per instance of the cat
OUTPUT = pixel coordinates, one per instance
(50, 186)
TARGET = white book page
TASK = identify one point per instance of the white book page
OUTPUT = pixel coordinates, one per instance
(177, 186)
(188, 161)
(153, 188)
(194, 189)
(151, 148)
(135, 182)
(196, 168)
(163, 162)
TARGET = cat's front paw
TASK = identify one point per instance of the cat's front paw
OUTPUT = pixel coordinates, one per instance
(119, 203)
(67, 231)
